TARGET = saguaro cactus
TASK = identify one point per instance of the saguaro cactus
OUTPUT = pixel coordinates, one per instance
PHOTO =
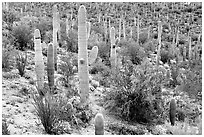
(55, 31)
(50, 66)
(113, 48)
(138, 30)
(99, 124)
(88, 25)
(83, 55)
(172, 112)
(120, 20)
(189, 53)
(124, 35)
(39, 63)
(159, 38)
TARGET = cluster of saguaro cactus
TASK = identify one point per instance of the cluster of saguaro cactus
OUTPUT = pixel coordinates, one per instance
(93, 55)
(99, 124)
(39, 63)
(172, 112)
(82, 55)
(159, 39)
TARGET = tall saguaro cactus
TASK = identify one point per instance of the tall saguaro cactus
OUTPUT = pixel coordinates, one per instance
(39, 63)
(189, 53)
(124, 35)
(83, 55)
(119, 28)
(50, 66)
(159, 38)
(113, 48)
(55, 31)
(138, 29)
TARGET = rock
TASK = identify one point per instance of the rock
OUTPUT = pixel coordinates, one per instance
(95, 83)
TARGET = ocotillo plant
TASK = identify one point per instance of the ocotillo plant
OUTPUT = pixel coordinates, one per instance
(159, 39)
(55, 31)
(83, 55)
(172, 112)
(93, 55)
(50, 67)
(39, 63)
(99, 124)
(113, 48)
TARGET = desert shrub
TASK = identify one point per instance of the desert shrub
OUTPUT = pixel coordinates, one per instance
(103, 53)
(5, 130)
(150, 46)
(134, 52)
(97, 67)
(165, 56)
(9, 16)
(136, 93)
(7, 53)
(44, 25)
(46, 113)
(143, 37)
(21, 61)
(72, 41)
(22, 37)
(67, 68)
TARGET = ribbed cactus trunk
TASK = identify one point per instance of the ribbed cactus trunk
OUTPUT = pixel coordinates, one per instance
(184, 53)
(119, 35)
(138, 30)
(124, 35)
(172, 112)
(83, 55)
(189, 51)
(113, 49)
(159, 39)
(99, 124)
(88, 25)
(50, 67)
(105, 28)
(177, 36)
(39, 63)
(55, 31)
(130, 32)
(67, 26)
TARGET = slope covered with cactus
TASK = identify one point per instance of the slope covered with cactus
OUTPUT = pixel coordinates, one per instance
(107, 68)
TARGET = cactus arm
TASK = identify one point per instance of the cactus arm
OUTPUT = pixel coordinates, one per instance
(93, 55)
(83, 55)
(172, 112)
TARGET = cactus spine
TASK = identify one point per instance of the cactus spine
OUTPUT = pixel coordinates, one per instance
(159, 38)
(55, 31)
(172, 112)
(83, 55)
(39, 63)
(50, 66)
(99, 124)
(113, 48)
